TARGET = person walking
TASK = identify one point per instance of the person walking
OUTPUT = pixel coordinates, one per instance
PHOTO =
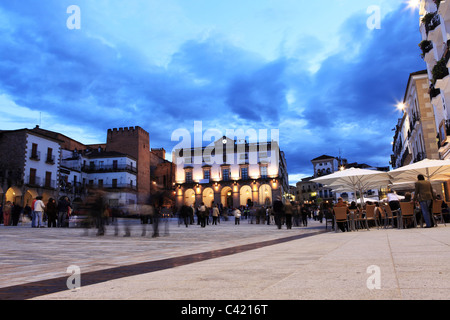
(15, 214)
(51, 213)
(63, 210)
(215, 214)
(39, 207)
(237, 216)
(288, 211)
(7, 213)
(202, 214)
(424, 195)
(278, 210)
(33, 213)
(304, 213)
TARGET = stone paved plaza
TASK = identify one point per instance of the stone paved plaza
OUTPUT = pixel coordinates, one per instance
(244, 262)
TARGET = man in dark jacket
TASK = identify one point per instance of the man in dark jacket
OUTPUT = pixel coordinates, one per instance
(63, 212)
(278, 210)
(425, 195)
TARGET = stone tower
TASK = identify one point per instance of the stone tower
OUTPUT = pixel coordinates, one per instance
(135, 142)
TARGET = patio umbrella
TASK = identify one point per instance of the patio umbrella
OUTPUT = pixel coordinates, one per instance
(433, 170)
(355, 179)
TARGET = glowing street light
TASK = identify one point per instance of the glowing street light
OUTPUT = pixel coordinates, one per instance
(400, 106)
(413, 4)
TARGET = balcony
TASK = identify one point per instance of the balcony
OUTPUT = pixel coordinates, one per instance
(431, 21)
(440, 71)
(119, 186)
(38, 182)
(426, 47)
(434, 92)
(50, 159)
(33, 181)
(108, 168)
(35, 156)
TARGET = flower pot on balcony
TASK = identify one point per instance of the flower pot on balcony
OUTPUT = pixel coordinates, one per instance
(440, 70)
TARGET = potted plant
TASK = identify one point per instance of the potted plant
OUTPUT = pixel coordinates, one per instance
(425, 46)
(440, 70)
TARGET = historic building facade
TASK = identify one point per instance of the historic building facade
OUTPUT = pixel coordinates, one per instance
(230, 173)
(415, 134)
(29, 165)
(38, 162)
(434, 29)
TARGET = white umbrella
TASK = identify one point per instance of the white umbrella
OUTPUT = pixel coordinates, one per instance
(437, 170)
(355, 179)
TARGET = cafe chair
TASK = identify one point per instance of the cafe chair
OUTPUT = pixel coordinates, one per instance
(437, 211)
(340, 215)
(407, 212)
(391, 215)
(371, 215)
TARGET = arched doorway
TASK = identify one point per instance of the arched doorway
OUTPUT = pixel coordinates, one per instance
(29, 196)
(245, 195)
(208, 197)
(265, 195)
(13, 194)
(189, 197)
(226, 197)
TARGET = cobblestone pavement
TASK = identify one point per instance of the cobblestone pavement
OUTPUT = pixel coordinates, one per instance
(35, 254)
(226, 261)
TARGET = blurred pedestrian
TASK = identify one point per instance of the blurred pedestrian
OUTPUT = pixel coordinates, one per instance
(278, 210)
(288, 212)
(156, 219)
(202, 214)
(424, 195)
(39, 207)
(95, 207)
(51, 211)
(304, 212)
(15, 214)
(237, 216)
(146, 212)
(33, 213)
(63, 211)
(215, 214)
(7, 213)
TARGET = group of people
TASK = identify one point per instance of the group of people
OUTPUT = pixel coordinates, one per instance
(51, 214)
(288, 213)
(422, 198)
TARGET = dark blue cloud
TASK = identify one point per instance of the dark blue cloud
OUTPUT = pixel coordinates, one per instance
(94, 84)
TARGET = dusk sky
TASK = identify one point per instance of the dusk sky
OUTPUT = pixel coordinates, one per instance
(314, 70)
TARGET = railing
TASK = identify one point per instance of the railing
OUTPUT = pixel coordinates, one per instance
(36, 156)
(50, 159)
(426, 47)
(108, 168)
(33, 181)
(431, 21)
(118, 186)
(434, 92)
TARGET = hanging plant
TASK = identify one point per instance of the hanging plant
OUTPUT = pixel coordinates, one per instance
(425, 46)
(440, 70)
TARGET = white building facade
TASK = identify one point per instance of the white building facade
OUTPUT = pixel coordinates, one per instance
(231, 174)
